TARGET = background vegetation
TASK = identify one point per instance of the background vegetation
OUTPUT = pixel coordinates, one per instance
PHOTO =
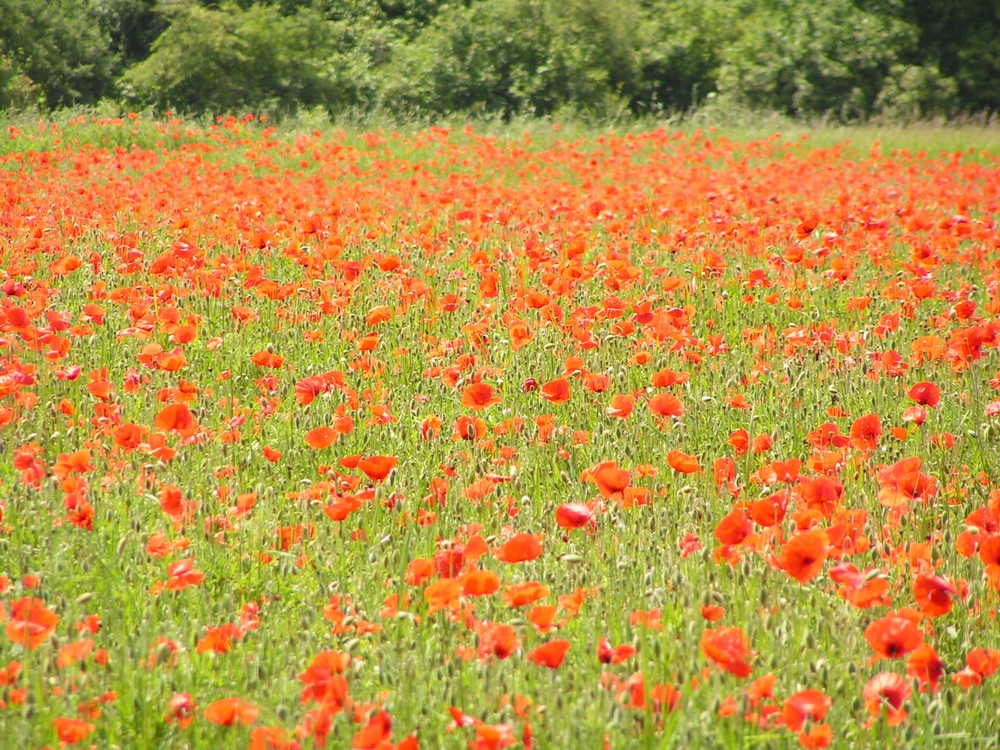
(844, 60)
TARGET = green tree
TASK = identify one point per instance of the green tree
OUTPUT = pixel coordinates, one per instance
(682, 43)
(131, 26)
(519, 56)
(803, 59)
(226, 59)
(56, 49)
(959, 38)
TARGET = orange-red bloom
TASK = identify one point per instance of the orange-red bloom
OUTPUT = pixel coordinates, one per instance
(520, 548)
(550, 654)
(803, 555)
(806, 705)
(729, 648)
(176, 418)
(888, 691)
(478, 396)
(556, 391)
(229, 711)
(30, 622)
(893, 636)
(682, 463)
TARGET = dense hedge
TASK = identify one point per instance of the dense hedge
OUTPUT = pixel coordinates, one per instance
(845, 59)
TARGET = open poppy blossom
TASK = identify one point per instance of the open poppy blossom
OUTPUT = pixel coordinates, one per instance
(478, 396)
(30, 623)
(893, 636)
(550, 654)
(728, 648)
(520, 548)
(886, 693)
(176, 418)
(682, 463)
(321, 437)
(925, 394)
(574, 515)
(377, 468)
(803, 555)
(229, 711)
(865, 432)
(556, 391)
(806, 705)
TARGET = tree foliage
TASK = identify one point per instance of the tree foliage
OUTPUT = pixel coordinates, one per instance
(54, 52)
(226, 59)
(843, 59)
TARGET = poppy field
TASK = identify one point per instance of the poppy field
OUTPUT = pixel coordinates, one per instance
(445, 440)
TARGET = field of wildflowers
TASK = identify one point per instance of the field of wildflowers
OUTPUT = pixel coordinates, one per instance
(452, 441)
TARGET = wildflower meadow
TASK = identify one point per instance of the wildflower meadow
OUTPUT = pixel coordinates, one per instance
(451, 440)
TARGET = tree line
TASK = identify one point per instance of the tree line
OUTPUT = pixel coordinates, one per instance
(841, 59)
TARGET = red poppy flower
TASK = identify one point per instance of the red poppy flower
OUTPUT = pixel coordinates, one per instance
(556, 391)
(893, 636)
(888, 691)
(610, 480)
(321, 437)
(219, 640)
(480, 583)
(574, 515)
(806, 705)
(924, 665)
(72, 731)
(865, 432)
(478, 396)
(30, 622)
(442, 593)
(734, 528)
(925, 394)
(497, 639)
(377, 467)
(523, 594)
(550, 654)
(324, 680)
(729, 648)
(665, 405)
(682, 463)
(176, 418)
(520, 548)
(181, 710)
(375, 734)
(933, 594)
(803, 555)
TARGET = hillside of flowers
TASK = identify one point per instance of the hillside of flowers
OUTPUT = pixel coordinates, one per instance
(452, 441)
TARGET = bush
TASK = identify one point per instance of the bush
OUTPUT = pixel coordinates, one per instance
(53, 50)
(231, 59)
(682, 44)
(802, 59)
(913, 92)
(519, 56)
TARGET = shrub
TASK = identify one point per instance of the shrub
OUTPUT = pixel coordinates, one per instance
(55, 51)
(519, 56)
(231, 59)
(803, 59)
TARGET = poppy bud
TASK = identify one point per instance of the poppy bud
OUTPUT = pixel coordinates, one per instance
(529, 385)
(604, 651)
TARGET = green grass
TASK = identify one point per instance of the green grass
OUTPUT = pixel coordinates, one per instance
(649, 203)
